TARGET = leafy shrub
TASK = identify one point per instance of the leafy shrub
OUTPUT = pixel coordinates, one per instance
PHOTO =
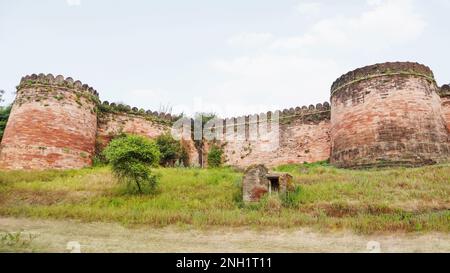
(131, 158)
(4, 116)
(215, 157)
(171, 150)
(184, 157)
(99, 161)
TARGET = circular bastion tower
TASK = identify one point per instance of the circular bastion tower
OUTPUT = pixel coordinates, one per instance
(52, 125)
(387, 115)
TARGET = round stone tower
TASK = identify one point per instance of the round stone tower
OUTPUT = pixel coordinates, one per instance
(387, 115)
(52, 125)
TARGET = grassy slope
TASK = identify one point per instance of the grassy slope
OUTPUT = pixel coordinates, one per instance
(329, 198)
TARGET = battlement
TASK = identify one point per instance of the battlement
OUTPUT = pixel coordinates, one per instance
(105, 106)
(397, 111)
(290, 113)
(58, 81)
(382, 69)
(445, 90)
(76, 85)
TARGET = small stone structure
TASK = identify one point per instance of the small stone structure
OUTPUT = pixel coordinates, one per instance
(258, 181)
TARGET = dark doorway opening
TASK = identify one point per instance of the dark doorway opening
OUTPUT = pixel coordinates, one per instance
(274, 183)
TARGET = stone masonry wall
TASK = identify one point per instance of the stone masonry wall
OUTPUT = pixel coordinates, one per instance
(52, 125)
(380, 115)
(113, 124)
(388, 114)
(303, 137)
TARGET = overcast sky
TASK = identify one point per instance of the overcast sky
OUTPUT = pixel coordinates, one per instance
(231, 57)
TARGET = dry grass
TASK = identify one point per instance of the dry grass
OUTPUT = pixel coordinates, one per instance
(367, 201)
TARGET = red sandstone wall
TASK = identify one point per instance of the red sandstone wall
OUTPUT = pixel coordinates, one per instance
(50, 127)
(303, 137)
(388, 120)
(113, 124)
(194, 160)
(299, 143)
(376, 119)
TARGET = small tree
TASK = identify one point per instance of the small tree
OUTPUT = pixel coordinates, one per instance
(215, 157)
(131, 158)
(4, 116)
(199, 143)
(170, 149)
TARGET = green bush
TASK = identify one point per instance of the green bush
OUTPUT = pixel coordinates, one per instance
(172, 152)
(215, 157)
(4, 116)
(131, 158)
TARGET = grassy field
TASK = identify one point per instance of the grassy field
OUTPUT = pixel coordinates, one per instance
(327, 198)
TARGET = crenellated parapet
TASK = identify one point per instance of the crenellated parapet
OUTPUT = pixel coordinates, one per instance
(273, 138)
(58, 81)
(383, 69)
(320, 111)
(117, 108)
(445, 90)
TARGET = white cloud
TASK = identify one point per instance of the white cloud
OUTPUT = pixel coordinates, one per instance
(278, 73)
(387, 23)
(308, 8)
(273, 80)
(250, 39)
(141, 97)
(374, 2)
(72, 3)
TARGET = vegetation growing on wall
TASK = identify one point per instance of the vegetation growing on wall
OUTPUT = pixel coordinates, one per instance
(200, 144)
(215, 156)
(113, 108)
(171, 150)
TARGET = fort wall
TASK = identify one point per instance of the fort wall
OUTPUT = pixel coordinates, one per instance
(116, 119)
(114, 124)
(302, 136)
(380, 115)
(52, 125)
(387, 114)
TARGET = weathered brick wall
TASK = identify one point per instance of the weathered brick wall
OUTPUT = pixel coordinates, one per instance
(387, 114)
(113, 124)
(150, 125)
(445, 98)
(52, 125)
(303, 136)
